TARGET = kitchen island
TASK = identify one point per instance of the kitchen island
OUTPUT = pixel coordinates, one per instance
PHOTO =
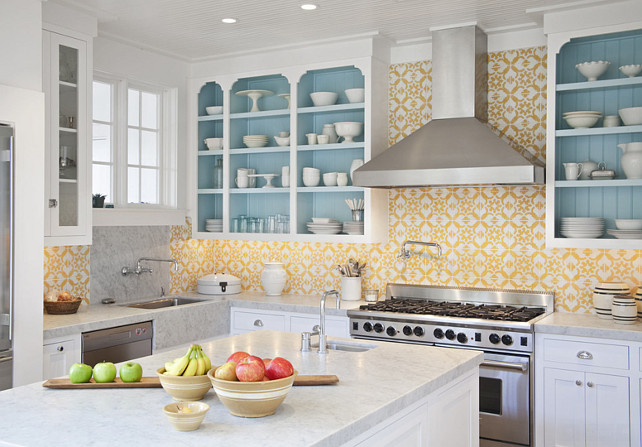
(401, 393)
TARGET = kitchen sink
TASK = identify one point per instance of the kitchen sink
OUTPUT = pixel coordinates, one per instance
(349, 346)
(164, 302)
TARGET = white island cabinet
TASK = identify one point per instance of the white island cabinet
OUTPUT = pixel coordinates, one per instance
(391, 394)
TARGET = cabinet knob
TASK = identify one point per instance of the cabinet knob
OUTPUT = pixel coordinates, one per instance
(60, 348)
(578, 382)
(258, 323)
(585, 355)
(589, 384)
(53, 203)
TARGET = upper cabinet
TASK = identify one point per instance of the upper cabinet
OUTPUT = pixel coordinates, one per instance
(273, 153)
(588, 132)
(66, 83)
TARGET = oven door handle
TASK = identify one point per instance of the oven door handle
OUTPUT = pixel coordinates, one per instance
(523, 367)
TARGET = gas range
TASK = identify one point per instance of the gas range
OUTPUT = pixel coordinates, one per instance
(500, 320)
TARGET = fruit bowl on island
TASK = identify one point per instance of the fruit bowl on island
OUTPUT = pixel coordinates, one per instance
(185, 388)
(251, 399)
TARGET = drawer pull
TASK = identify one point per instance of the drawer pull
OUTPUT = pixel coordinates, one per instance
(258, 323)
(60, 348)
(589, 384)
(585, 355)
(578, 382)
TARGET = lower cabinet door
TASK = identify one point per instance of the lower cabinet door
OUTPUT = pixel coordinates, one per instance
(607, 410)
(58, 358)
(564, 408)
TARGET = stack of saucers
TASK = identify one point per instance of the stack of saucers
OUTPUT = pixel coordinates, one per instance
(214, 225)
(603, 297)
(582, 119)
(626, 234)
(582, 227)
(353, 227)
(331, 227)
(255, 140)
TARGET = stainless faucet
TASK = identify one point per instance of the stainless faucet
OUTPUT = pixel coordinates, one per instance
(405, 253)
(140, 269)
(319, 329)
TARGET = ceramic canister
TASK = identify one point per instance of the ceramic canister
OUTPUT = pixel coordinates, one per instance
(602, 303)
(638, 301)
(624, 309)
(273, 278)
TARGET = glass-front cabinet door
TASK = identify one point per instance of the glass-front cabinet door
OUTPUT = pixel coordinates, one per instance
(65, 84)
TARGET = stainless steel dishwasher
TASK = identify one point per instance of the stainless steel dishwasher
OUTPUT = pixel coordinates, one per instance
(117, 344)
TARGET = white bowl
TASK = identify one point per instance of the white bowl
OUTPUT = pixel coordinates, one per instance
(593, 70)
(582, 121)
(631, 116)
(348, 130)
(214, 143)
(324, 98)
(214, 110)
(308, 170)
(355, 94)
(282, 141)
(631, 70)
(628, 224)
(311, 181)
(330, 179)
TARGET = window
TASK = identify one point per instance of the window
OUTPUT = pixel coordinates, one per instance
(134, 147)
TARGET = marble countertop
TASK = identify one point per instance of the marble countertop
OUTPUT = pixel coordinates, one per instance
(101, 316)
(588, 325)
(374, 385)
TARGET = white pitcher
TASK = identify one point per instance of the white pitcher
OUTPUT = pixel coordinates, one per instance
(328, 129)
(273, 278)
(631, 159)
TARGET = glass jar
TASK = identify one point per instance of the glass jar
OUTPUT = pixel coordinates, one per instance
(218, 174)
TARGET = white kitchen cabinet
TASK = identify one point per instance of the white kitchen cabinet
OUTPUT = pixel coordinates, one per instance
(245, 320)
(59, 354)
(586, 393)
(67, 74)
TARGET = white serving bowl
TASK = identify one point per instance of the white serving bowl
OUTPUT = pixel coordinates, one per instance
(330, 179)
(214, 110)
(631, 70)
(314, 171)
(631, 116)
(593, 70)
(282, 141)
(355, 94)
(628, 224)
(214, 143)
(311, 180)
(581, 121)
(324, 98)
(348, 130)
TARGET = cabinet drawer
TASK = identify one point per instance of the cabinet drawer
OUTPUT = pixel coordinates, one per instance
(253, 321)
(595, 354)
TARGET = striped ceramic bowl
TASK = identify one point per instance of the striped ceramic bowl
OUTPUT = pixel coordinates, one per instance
(624, 309)
(603, 295)
(638, 300)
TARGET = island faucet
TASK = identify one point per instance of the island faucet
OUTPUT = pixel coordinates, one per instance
(140, 269)
(405, 253)
(322, 345)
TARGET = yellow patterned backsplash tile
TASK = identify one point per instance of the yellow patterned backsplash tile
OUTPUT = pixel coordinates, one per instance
(66, 268)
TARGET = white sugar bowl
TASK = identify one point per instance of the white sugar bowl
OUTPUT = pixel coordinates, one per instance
(624, 309)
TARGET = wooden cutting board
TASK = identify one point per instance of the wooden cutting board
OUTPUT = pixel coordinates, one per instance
(154, 382)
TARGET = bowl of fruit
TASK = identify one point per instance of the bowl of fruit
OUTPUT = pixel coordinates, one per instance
(62, 303)
(252, 387)
(185, 379)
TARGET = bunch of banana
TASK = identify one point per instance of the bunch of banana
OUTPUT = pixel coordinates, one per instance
(194, 363)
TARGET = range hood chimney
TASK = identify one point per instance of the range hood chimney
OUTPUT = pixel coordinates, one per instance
(456, 147)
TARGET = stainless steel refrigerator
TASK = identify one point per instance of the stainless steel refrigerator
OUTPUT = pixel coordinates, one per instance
(6, 256)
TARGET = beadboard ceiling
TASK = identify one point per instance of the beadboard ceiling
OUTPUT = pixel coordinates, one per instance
(192, 29)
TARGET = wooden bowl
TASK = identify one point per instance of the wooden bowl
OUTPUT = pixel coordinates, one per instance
(62, 307)
(251, 399)
(187, 388)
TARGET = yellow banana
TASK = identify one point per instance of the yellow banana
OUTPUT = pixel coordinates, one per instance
(200, 362)
(208, 362)
(190, 370)
(177, 368)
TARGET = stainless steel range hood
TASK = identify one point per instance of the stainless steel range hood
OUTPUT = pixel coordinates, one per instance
(457, 147)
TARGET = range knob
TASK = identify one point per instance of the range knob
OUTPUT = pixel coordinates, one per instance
(407, 331)
(418, 331)
(391, 331)
(507, 340)
(367, 326)
(450, 334)
(378, 327)
(462, 338)
(438, 333)
(494, 338)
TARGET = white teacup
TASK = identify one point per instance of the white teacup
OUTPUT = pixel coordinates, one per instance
(572, 170)
(323, 139)
(611, 121)
(284, 134)
(214, 143)
(342, 179)
(312, 138)
(330, 179)
(242, 182)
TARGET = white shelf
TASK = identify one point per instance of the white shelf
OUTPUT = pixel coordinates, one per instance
(210, 153)
(211, 117)
(598, 131)
(68, 84)
(310, 189)
(329, 147)
(597, 183)
(67, 129)
(275, 190)
(67, 180)
(259, 150)
(261, 114)
(210, 191)
(333, 108)
(606, 83)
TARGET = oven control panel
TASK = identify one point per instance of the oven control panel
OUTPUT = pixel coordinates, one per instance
(429, 333)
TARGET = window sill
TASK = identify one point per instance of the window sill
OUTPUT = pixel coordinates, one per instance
(113, 217)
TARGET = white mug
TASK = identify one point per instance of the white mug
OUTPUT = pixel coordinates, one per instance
(285, 176)
(323, 139)
(342, 179)
(242, 172)
(611, 121)
(242, 181)
(572, 170)
(312, 138)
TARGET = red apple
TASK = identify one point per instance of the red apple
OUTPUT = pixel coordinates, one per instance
(266, 362)
(237, 356)
(250, 369)
(279, 368)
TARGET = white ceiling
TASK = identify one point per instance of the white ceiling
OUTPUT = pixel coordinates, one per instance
(192, 29)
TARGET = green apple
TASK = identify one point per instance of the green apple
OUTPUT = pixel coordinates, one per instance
(131, 372)
(104, 372)
(80, 373)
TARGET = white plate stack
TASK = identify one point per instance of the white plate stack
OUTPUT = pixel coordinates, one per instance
(626, 234)
(214, 225)
(255, 140)
(353, 227)
(582, 227)
(331, 227)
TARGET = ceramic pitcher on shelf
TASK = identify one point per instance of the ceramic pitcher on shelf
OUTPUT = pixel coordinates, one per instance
(631, 159)
(328, 129)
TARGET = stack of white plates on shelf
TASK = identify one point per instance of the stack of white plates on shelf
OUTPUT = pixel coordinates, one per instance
(331, 227)
(582, 119)
(255, 140)
(582, 227)
(626, 234)
(214, 225)
(353, 227)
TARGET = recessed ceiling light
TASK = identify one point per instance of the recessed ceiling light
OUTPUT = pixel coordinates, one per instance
(229, 20)
(309, 7)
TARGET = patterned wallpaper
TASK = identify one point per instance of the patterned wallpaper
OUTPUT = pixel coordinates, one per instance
(491, 236)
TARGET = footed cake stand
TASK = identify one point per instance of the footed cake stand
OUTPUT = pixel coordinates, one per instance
(255, 95)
